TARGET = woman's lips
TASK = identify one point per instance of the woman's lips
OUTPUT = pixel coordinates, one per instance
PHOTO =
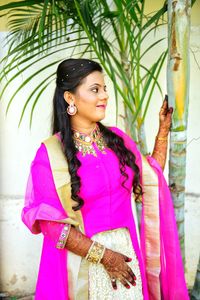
(101, 106)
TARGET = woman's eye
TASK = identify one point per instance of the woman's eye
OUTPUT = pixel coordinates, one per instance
(95, 90)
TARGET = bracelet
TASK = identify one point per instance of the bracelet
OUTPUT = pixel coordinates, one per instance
(63, 236)
(95, 253)
(162, 138)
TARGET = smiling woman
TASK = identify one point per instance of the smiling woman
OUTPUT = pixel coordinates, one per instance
(92, 94)
(79, 197)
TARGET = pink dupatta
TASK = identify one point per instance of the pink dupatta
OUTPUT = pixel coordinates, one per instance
(43, 203)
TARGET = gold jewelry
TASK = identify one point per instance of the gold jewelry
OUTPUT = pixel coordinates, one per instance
(83, 142)
(162, 138)
(63, 236)
(71, 109)
(95, 253)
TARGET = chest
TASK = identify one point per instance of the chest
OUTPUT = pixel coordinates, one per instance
(100, 175)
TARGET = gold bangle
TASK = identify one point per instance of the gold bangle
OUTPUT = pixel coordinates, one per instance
(162, 138)
(95, 253)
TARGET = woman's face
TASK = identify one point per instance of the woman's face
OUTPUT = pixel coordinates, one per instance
(91, 98)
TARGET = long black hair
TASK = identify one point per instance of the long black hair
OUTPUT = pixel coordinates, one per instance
(70, 74)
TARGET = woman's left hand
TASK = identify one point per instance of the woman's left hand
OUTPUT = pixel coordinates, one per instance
(165, 117)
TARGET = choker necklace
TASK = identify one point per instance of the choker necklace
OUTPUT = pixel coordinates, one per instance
(84, 142)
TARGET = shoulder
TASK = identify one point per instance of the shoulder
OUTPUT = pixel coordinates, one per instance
(126, 137)
(128, 140)
(42, 151)
(117, 131)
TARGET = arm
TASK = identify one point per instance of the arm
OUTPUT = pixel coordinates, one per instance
(115, 263)
(161, 143)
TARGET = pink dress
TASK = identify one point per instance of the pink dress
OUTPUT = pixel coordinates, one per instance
(107, 206)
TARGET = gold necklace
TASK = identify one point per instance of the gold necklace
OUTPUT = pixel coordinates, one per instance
(84, 142)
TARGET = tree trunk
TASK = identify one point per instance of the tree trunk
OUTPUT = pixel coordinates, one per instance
(195, 294)
(178, 92)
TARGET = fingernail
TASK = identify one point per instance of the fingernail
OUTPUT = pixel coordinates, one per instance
(128, 287)
(166, 97)
(134, 283)
(134, 277)
(130, 259)
(115, 287)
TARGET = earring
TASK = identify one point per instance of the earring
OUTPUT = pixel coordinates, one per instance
(71, 109)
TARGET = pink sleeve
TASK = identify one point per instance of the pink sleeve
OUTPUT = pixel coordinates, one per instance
(41, 199)
(56, 232)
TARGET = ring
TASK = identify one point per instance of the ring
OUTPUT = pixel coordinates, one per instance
(113, 280)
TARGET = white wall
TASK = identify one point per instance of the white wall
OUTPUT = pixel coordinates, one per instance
(20, 251)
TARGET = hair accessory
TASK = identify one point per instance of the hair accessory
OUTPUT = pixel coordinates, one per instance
(71, 109)
(95, 253)
(66, 75)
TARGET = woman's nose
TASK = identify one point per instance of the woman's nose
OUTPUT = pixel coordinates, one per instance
(104, 95)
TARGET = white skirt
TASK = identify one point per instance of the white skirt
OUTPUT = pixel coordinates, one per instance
(93, 281)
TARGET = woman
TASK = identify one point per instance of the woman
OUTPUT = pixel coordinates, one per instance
(79, 197)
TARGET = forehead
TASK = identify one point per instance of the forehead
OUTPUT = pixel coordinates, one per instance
(94, 77)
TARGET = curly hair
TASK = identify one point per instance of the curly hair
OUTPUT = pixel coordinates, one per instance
(70, 74)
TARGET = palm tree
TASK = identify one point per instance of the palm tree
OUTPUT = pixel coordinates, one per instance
(178, 91)
(113, 32)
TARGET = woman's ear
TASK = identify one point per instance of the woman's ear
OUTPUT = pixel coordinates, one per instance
(68, 97)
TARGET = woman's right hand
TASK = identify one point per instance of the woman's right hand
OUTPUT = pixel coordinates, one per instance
(117, 268)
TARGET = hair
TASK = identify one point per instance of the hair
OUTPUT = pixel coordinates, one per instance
(70, 74)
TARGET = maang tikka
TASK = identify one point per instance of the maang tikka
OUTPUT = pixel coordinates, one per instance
(71, 109)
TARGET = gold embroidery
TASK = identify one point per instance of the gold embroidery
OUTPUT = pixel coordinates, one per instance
(84, 142)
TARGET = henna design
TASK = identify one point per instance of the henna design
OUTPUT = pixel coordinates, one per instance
(115, 263)
(78, 243)
(116, 266)
(160, 147)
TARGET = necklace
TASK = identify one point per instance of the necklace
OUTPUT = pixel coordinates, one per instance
(84, 142)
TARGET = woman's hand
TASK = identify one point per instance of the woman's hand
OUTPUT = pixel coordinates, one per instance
(165, 118)
(117, 268)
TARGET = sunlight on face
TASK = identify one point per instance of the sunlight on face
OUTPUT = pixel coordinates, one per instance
(91, 97)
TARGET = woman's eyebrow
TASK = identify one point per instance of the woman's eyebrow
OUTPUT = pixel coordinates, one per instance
(97, 84)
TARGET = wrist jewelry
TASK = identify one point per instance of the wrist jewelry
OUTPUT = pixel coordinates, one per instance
(95, 253)
(63, 236)
(162, 138)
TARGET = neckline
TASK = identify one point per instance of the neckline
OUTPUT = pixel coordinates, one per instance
(87, 138)
(85, 142)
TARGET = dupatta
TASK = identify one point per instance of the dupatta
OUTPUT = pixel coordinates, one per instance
(159, 239)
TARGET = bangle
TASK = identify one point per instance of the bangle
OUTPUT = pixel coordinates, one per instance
(161, 138)
(95, 253)
(63, 236)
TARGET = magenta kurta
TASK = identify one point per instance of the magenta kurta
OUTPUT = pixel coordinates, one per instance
(107, 206)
